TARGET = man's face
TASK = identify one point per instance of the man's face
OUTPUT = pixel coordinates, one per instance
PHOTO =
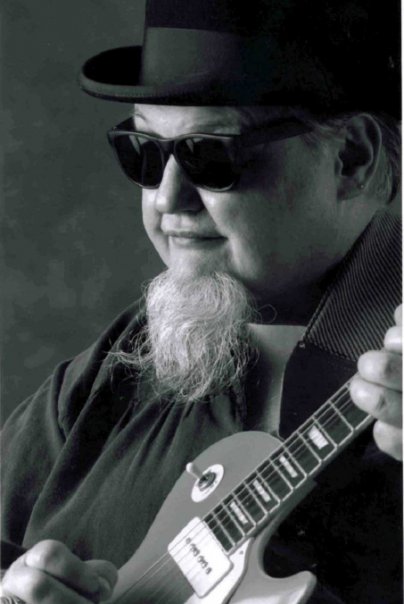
(277, 231)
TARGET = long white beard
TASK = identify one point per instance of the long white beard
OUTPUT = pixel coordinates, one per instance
(195, 343)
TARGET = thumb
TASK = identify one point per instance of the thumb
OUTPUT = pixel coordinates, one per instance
(107, 575)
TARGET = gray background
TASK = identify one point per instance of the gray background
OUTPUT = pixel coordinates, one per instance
(74, 250)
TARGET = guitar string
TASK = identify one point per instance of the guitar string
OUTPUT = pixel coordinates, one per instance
(174, 570)
(197, 568)
(320, 416)
(202, 524)
(198, 543)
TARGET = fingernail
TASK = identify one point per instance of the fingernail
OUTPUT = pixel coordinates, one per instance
(105, 588)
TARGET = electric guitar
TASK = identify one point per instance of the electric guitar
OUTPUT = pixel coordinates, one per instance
(207, 541)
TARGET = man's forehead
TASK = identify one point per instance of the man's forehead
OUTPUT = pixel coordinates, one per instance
(205, 118)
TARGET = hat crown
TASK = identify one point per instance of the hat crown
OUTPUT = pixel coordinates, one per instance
(329, 55)
(340, 21)
(217, 15)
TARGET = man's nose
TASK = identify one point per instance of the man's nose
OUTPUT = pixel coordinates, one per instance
(176, 193)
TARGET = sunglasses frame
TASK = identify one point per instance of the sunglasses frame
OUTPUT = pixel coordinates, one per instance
(274, 131)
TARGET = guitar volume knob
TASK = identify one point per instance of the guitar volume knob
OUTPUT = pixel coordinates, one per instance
(206, 481)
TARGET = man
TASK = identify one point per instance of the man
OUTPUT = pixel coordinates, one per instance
(266, 142)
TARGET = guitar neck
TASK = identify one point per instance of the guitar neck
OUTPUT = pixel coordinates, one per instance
(279, 477)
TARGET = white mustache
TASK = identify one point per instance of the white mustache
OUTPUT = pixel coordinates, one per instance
(191, 234)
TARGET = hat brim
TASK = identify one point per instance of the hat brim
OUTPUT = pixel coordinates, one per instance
(115, 75)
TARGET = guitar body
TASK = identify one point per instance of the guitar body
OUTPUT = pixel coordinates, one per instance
(152, 575)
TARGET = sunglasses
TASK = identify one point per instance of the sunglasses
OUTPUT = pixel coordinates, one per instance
(210, 161)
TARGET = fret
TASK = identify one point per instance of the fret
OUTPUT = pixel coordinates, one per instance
(319, 440)
(279, 485)
(342, 392)
(334, 406)
(294, 459)
(219, 532)
(238, 512)
(263, 492)
(288, 467)
(352, 414)
(256, 512)
(344, 427)
(332, 424)
(229, 523)
(302, 451)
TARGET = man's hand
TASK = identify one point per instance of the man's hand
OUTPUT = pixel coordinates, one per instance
(377, 389)
(49, 572)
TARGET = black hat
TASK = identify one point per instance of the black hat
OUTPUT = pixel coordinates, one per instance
(326, 55)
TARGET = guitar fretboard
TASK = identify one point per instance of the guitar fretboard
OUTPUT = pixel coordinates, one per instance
(303, 455)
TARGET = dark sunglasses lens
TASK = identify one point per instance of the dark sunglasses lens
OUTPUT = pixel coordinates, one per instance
(208, 162)
(140, 159)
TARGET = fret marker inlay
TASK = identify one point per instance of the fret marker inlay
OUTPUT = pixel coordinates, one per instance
(288, 466)
(238, 512)
(317, 438)
(261, 491)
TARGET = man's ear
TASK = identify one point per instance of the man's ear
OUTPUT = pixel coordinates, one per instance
(358, 155)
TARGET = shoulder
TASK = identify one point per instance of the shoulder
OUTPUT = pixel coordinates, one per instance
(92, 370)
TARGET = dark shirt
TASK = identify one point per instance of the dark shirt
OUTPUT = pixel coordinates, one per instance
(88, 462)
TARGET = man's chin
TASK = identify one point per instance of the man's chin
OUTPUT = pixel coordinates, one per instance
(195, 342)
(193, 268)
